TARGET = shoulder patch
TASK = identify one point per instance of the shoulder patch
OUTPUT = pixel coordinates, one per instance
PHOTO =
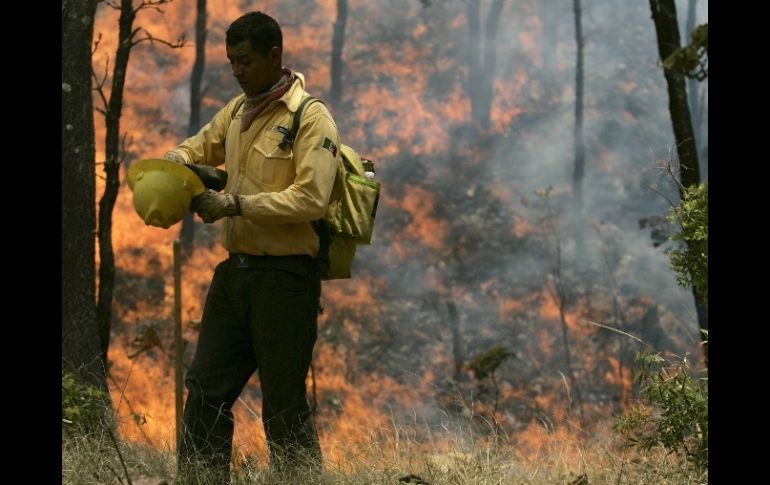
(329, 145)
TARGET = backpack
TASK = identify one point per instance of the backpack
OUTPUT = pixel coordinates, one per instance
(349, 219)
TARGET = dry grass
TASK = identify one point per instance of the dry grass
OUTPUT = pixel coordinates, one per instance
(456, 458)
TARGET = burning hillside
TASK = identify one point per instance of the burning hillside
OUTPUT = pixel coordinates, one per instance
(470, 252)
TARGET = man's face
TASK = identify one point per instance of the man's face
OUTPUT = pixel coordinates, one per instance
(255, 73)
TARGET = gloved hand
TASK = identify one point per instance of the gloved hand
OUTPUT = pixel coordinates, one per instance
(212, 178)
(173, 157)
(212, 206)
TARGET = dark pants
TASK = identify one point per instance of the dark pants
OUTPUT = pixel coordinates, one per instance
(261, 313)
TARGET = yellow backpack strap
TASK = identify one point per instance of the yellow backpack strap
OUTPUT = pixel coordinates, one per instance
(320, 227)
(237, 107)
(288, 138)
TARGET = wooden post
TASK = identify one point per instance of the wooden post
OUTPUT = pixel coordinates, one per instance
(457, 350)
(178, 340)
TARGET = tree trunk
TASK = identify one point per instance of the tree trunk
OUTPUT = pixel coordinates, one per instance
(693, 85)
(667, 30)
(111, 169)
(338, 42)
(482, 60)
(579, 147)
(187, 232)
(457, 348)
(199, 65)
(474, 58)
(486, 94)
(693, 90)
(80, 346)
(559, 294)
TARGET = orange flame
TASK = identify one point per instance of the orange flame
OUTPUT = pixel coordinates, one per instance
(397, 114)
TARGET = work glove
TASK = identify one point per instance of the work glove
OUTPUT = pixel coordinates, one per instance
(212, 206)
(173, 157)
(212, 178)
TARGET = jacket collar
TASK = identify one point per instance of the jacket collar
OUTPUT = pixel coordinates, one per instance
(293, 96)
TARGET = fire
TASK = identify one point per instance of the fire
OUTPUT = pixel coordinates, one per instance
(404, 104)
(358, 296)
(537, 441)
(522, 227)
(143, 396)
(419, 31)
(423, 226)
(620, 377)
(356, 413)
(458, 106)
(529, 43)
(458, 22)
(545, 342)
(505, 109)
(507, 305)
(549, 309)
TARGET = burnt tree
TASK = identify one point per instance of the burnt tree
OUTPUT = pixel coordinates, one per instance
(114, 153)
(579, 146)
(457, 341)
(338, 42)
(187, 232)
(80, 346)
(667, 31)
(694, 91)
(482, 60)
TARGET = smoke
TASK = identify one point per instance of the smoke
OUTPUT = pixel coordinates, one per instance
(460, 219)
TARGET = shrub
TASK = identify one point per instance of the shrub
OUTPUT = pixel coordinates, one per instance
(676, 415)
(690, 262)
(84, 407)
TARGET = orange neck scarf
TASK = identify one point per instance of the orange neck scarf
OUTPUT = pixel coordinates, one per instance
(255, 105)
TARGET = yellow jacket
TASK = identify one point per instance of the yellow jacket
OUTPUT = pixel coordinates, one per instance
(282, 190)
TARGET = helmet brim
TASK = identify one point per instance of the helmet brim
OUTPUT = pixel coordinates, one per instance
(175, 169)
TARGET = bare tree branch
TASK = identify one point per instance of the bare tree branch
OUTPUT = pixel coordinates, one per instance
(151, 4)
(558, 292)
(144, 6)
(99, 87)
(669, 170)
(654, 189)
(180, 42)
(117, 475)
(123, 149)
(120, 455)
(133, 34)
(589, 322)
(96, 44)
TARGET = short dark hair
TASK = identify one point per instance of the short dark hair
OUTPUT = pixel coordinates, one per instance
(261, 30)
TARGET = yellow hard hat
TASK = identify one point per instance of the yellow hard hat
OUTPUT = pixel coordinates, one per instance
(162, 190)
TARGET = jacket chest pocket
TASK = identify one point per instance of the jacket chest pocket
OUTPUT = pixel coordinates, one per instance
(271, 165)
